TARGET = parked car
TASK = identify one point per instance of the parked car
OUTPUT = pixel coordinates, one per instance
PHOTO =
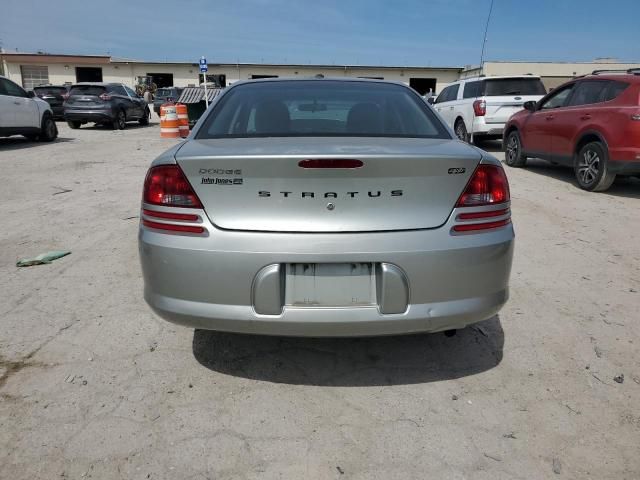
(164, 95)
(591, 124)
(111, 104)
(478, 108)
(55, 96)
(22, 113)
(325, 207)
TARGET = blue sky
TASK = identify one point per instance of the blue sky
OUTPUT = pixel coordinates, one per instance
(374, 32)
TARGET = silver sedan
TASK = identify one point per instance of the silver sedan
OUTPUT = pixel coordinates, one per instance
(325, 207)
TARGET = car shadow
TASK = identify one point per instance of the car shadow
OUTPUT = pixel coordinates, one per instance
(491, 146)
(130, 126)
(18, 143)
(353, 362)
(622, 187)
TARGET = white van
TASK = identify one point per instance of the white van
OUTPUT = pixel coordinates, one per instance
(478, 108)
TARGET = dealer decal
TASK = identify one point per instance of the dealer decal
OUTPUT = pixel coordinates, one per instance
(206, 180)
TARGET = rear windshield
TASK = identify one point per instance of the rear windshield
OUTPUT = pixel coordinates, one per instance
(513, 86)
(87, 90)
(50, 90)
(165, 92)
(315, 108)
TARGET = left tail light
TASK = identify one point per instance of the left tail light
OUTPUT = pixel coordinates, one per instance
(479, 108)
(488, 187)
(167, 186)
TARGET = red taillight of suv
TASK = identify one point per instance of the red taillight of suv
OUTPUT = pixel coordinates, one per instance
(166, 186)
(479, 108)
(488, 187)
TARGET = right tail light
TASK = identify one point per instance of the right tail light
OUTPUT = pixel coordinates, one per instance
(488, 187)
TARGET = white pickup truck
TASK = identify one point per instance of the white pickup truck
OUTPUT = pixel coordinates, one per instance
(478, 108)
(23, 113)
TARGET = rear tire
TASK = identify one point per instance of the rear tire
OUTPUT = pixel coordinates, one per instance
(591, 167)
(48, 130)
(461, 130)
(513, 155)
(74, 125)
(120, 122)
(144, 121)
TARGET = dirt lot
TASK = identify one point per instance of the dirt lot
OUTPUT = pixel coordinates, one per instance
(93, 385)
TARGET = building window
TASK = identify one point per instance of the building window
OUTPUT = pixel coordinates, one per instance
(88, 74)
(34, 75)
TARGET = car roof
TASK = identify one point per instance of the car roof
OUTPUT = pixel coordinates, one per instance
(318, 79)
(96, 84)
(498, 77)
(627, 77)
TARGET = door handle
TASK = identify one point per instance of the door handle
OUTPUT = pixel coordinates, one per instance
(450, 108)
(586, 116)
(549, 117)
(17, 103)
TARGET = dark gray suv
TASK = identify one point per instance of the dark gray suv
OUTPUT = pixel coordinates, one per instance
(111, 104)
(164, 95)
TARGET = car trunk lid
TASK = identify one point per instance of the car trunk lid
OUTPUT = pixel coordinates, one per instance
(86, 96)
(258, 184)
(500, 109)
(506, 96)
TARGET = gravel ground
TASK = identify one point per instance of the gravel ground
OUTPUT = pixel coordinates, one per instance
(93, 385)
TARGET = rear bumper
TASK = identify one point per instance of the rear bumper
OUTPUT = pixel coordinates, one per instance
(328, 322)
(625, 160)
(88, 115)
(212, 282)
(480, 127)
(57, 110)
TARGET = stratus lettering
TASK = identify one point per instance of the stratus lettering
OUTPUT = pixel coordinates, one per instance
(370, 194)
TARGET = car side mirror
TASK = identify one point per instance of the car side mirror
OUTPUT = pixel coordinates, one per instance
(530, 105)
(31, 94)
(431, 100)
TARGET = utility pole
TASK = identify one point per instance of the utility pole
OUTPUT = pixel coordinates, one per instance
(484, 41)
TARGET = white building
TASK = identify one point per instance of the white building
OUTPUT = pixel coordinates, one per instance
(552, 74)
(31, 70)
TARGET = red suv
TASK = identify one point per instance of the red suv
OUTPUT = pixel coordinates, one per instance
(591, 123)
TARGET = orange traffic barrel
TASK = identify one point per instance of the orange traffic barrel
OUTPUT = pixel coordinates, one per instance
(169, 123)
(183, 119)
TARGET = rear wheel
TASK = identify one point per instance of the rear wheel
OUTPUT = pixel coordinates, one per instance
(48, 129)
(513, 155)
(74, 125)
(592, 169)
(145, 119)
(461, 130)
(120, 122)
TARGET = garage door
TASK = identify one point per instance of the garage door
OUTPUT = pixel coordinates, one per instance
(34, 75)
